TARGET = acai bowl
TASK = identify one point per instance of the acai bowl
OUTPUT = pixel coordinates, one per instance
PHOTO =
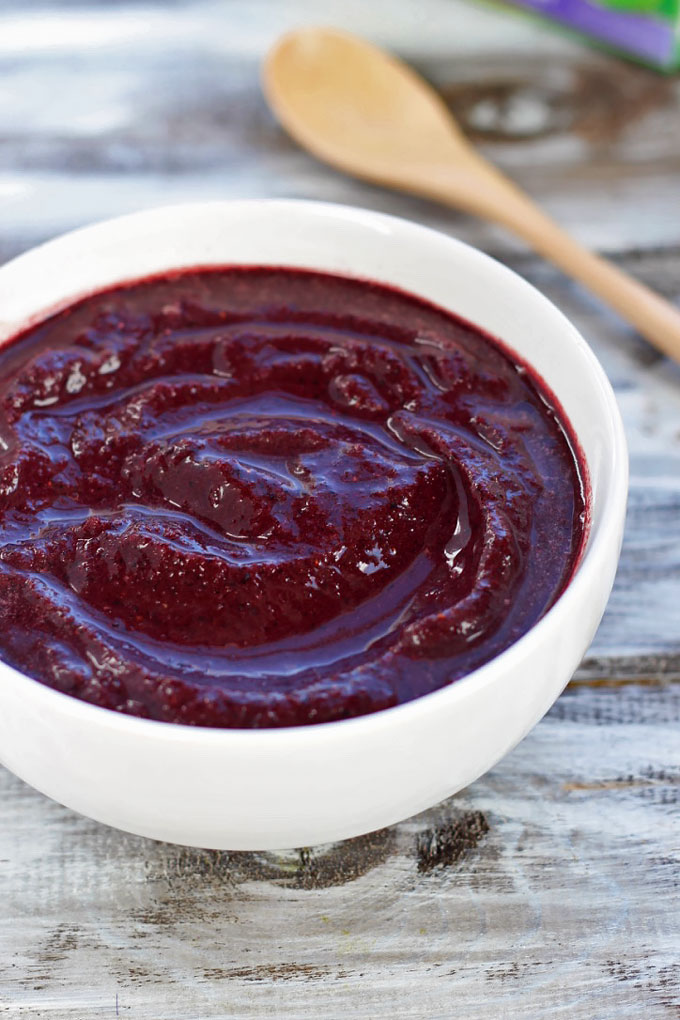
(258, 776)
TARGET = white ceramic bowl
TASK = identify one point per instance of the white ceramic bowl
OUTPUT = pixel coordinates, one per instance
(266, 789)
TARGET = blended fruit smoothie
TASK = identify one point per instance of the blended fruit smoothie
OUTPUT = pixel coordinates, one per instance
(256, 497)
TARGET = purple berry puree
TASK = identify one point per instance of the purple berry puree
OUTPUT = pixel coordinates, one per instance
(257, 497)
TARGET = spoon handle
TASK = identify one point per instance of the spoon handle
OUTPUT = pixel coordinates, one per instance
(655, 318)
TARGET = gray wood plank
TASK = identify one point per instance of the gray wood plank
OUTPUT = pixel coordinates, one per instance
(548, 888)
(172, 112)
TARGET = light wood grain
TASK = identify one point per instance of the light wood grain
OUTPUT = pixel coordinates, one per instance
(550, 887)
(172, 111)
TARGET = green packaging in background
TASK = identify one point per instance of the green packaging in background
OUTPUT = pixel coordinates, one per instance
(648, 30)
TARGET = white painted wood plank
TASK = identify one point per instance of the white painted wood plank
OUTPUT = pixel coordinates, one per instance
(546, 889)
(173, 112)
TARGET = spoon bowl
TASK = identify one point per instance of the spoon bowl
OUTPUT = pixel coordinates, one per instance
(358, 108)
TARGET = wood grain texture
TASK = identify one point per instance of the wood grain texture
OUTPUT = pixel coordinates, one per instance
(550, 887)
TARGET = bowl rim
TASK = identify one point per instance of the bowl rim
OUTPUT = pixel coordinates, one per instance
(613, 499)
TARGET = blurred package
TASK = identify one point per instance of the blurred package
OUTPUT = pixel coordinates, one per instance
(648, 30)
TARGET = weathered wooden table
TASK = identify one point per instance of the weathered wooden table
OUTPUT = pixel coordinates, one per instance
(551, 886)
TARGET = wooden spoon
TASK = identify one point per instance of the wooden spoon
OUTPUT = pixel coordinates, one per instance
(372, 116)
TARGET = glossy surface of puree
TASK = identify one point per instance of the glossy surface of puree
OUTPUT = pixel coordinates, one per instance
(269, 497)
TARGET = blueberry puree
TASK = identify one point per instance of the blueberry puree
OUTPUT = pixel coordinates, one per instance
(247, 497)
